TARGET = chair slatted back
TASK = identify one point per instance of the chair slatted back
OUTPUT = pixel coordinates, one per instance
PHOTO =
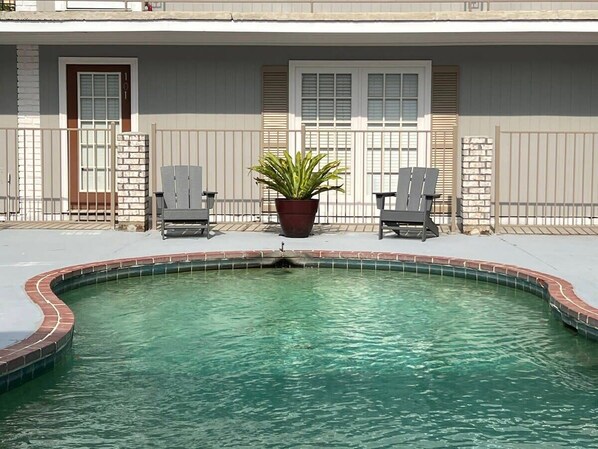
(414, 183)
(182, 186)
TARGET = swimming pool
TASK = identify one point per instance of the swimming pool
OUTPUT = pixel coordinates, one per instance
(279, 357)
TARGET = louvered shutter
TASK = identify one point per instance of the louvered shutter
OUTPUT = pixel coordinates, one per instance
(445, 117)
(275, 119)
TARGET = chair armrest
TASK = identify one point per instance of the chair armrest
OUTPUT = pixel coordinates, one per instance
(211, 198)
(381, 198)
(434, 196)
(159, 202)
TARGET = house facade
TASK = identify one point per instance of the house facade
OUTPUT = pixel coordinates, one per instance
(501, 96)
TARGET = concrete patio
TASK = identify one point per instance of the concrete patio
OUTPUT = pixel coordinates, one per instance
(25, 253)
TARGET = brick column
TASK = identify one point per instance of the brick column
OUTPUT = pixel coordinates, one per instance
(29, 138)
(477, 184)
(132, 181)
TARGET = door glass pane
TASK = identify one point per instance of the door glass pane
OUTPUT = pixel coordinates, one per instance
(113, 85)
(113, 109)
(392, 87)
(375, 85)
(410, 85)
(343, 85)
(309, 85)
(326, 110)
(375, 110)
(99, 108)
(99, 85)
(392, 110)
(343, 109)
(99, 104)
(86, 110)
(409, 110)
(85, 85)
(326, 85)
(309, 109)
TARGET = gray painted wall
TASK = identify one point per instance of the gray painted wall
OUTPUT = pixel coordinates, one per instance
(8, 86)
(518, 88)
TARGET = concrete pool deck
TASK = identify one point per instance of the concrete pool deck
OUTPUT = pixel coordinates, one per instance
(26, 253)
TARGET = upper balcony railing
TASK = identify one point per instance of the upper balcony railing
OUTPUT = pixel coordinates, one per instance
(7, 5)
(305, 6)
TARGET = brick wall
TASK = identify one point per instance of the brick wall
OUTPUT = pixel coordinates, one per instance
(132, 181)
(477, 153)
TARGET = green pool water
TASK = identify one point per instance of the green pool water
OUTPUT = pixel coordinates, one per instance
(310, 358)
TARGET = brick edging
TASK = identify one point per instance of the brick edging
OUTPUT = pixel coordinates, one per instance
(19, 361)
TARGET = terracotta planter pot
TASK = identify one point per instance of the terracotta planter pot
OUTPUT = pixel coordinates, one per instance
(296, 216)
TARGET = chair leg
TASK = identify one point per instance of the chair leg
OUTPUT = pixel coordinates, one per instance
(424, 228)
(162, 228)
(380, 233)
(433, 227)
(208, 229)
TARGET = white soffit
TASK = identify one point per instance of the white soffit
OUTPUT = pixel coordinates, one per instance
(219, 32)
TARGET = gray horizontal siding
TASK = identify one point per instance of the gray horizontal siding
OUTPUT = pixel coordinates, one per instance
(518, 88)
(8, 86)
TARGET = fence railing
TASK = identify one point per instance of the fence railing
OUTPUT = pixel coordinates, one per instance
(372, 159)
(326, 6)
(7, 5)
(546, 178)
(57, 174)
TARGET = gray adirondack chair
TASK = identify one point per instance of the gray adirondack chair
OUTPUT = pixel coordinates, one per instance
(181, 200)
(415, 196)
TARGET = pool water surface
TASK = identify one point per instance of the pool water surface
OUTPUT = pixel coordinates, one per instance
(310, 358)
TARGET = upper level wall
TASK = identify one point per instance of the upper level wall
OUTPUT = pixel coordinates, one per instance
(321, 6)
(8, 86)
(518, 87)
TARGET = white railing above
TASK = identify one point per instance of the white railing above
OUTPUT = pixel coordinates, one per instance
(323, 6)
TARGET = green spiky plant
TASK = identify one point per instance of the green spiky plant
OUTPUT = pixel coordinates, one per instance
(298, 178)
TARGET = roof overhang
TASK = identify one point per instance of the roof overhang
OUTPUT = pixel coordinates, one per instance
(402, 29)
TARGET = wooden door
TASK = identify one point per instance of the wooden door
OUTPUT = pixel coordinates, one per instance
(97, 95)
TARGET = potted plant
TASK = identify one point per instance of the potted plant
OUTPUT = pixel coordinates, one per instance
(298, 180)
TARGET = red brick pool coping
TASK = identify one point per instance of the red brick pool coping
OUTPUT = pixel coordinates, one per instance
(56, 331)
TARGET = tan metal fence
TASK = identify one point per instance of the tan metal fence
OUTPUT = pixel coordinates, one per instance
(7, 5)
(57, 175)
(546, 179)
(322, 6)
(372, 159)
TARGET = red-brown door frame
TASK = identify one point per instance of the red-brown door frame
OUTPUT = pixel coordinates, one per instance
(91, 200)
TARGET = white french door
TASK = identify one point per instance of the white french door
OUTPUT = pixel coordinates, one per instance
(372, 116)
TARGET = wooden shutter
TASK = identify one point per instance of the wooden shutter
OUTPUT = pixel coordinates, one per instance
(445, 117)
(275, 119)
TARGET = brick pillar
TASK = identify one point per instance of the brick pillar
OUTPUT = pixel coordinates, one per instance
(477, 184)
(29, 138)
(132, 181)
